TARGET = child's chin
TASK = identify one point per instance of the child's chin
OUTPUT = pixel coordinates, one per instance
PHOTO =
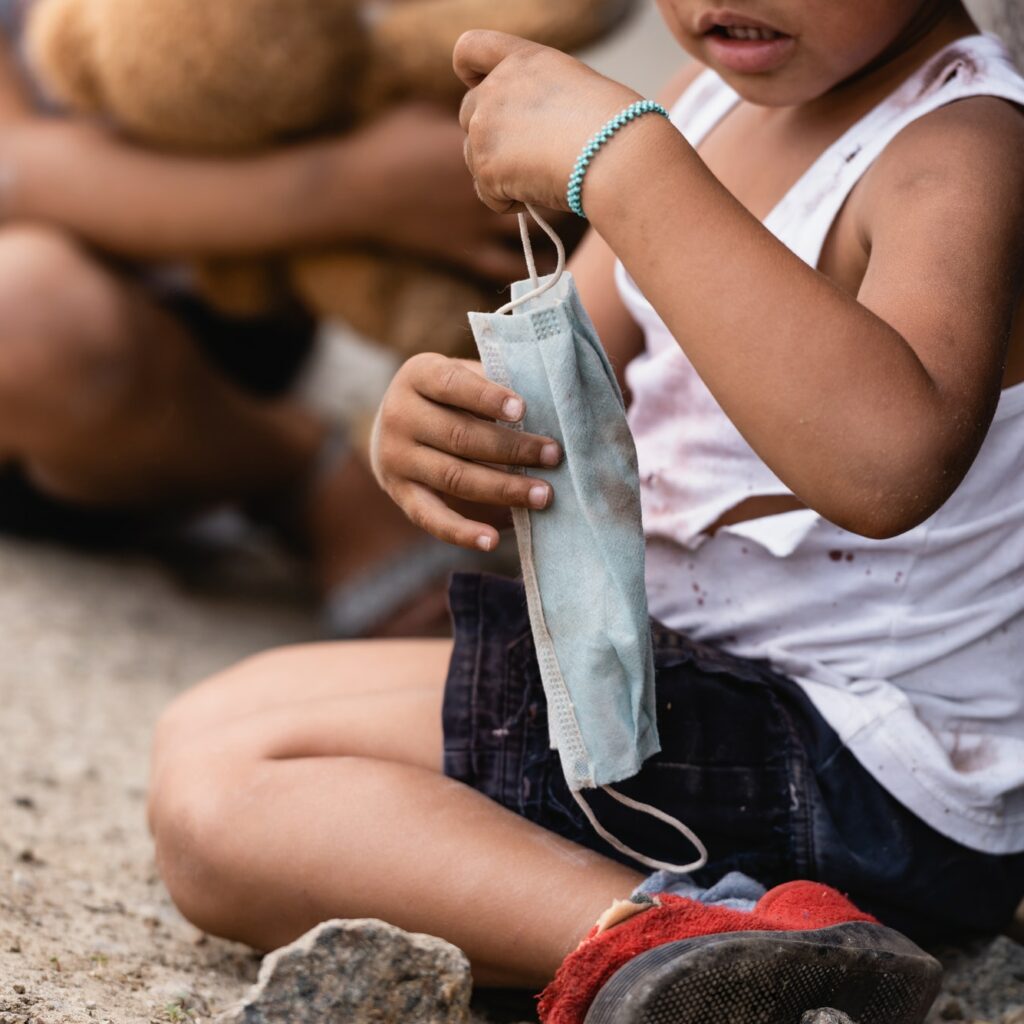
(777, 89)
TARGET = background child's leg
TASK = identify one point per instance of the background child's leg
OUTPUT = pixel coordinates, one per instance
(108, 403)
(105, 400)
(306, 784)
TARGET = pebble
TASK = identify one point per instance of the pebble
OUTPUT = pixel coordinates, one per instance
(825, 1016)
(360, 970)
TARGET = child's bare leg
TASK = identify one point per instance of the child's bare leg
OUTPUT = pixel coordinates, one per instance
(306, 784)
(105, 400)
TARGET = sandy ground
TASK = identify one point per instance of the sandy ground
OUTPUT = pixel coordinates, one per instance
(90, 651)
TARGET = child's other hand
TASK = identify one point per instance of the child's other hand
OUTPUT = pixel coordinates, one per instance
(529, 112)
(435, 436)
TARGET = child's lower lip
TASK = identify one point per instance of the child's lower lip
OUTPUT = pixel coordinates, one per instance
(748, 56)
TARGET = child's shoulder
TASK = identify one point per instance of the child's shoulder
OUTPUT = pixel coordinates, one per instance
(968, 154)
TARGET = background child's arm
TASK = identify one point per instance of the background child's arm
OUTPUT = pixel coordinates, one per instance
(392, 183)
(870, 407)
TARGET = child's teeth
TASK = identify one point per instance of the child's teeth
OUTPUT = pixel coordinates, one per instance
(736, 32)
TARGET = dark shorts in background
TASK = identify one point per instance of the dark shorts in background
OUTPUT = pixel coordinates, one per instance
(262, 355)
(746, 762)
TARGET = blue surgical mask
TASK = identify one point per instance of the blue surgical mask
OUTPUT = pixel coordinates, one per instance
(582, 558)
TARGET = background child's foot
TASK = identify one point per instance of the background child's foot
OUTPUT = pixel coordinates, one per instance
(376, 573)
(379, 574)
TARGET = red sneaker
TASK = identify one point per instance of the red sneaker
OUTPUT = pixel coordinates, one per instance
(804, 946)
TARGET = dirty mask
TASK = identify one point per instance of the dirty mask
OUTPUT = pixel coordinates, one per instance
(583, 557)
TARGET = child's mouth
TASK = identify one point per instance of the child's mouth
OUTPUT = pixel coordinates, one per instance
(748, 49)
(739, 32)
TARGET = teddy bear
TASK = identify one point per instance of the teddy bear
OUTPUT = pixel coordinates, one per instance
(238, 76)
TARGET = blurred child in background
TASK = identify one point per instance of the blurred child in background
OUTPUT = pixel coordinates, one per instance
(127, 403)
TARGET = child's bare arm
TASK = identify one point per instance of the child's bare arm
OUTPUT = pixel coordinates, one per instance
(870, 407)
(593, 268)
(392, 183)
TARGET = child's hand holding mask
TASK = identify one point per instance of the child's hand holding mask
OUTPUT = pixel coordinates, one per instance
(435, 436)
(529, 112)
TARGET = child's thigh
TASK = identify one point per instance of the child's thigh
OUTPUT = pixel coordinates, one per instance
(378, 699)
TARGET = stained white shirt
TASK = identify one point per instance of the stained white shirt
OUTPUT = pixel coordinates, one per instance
(912, 649)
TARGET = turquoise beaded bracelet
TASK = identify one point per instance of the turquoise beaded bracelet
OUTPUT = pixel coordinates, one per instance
(579, 172)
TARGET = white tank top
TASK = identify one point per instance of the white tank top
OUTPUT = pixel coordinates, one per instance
(912, 648)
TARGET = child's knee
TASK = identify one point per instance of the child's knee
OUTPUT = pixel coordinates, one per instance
(191, 808)
(62, 316)
(218, 700)
(176, 724)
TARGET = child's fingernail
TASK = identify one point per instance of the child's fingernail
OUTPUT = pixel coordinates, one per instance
(512, 410)
(539, 496)
(550, 455)
(484, 543)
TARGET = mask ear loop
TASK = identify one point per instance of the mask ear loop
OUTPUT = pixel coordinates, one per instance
(552, 281)
(531, 263)
(654, 812)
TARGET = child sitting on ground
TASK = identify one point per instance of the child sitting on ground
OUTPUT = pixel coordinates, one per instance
(812, 281)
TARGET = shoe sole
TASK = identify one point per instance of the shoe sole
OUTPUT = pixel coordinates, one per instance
(871, 973)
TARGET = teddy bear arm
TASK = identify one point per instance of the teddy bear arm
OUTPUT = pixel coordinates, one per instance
(412, 43)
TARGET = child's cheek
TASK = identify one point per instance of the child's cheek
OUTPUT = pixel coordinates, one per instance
(677, 16)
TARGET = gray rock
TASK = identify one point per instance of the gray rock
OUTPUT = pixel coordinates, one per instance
(825, 1016)
(359, 972)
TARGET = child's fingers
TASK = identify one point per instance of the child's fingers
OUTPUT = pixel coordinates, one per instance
(458, 384)
(482, 484)
(480, 51)
(427, 511)
(457, 433)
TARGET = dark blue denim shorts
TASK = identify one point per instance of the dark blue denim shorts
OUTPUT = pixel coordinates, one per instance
(746, 762)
